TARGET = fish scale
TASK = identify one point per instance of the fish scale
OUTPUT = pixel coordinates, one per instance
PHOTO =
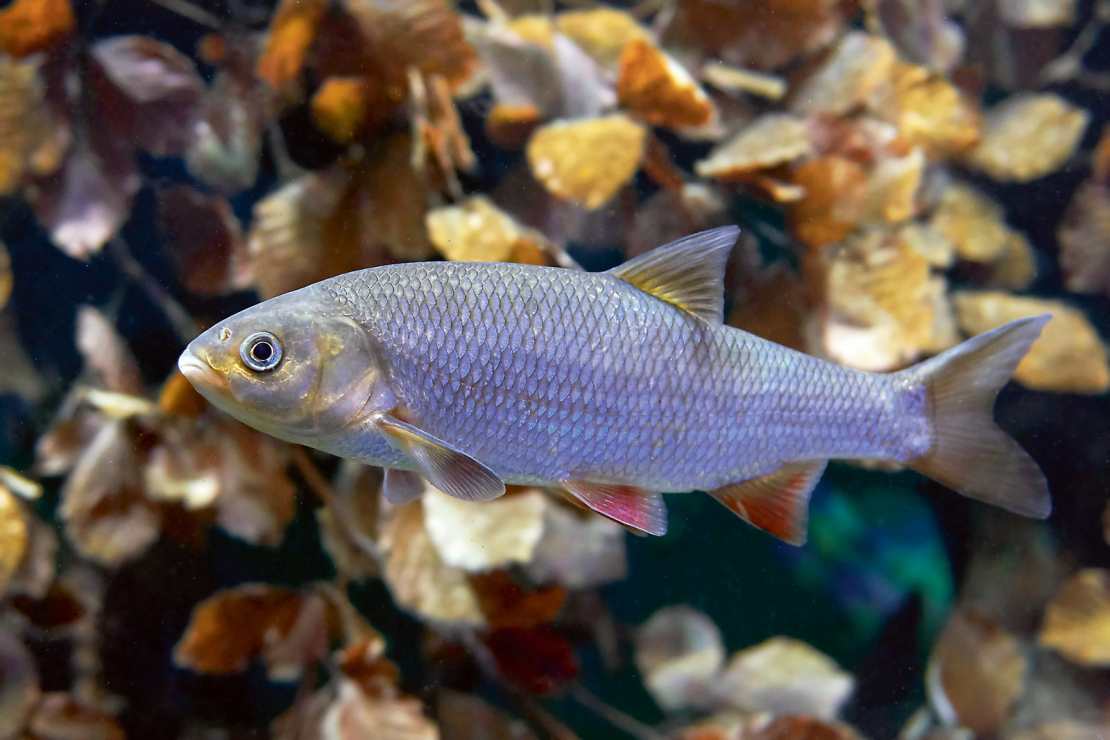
(564, 375)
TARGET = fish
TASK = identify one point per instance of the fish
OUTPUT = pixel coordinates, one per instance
(612, 387)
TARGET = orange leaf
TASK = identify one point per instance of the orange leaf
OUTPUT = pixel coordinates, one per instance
(831, 208)
(27, 26)
(339, 107)
(291, 32)
(507, 604)
(659, 89)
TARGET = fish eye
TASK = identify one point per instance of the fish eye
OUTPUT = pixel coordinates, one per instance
(261, 351)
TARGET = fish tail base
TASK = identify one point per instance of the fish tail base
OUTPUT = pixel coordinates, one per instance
(969, 452)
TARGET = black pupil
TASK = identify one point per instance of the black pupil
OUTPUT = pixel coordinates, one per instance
(262, 351)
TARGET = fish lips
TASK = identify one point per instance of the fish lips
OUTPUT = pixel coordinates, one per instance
(201, 374)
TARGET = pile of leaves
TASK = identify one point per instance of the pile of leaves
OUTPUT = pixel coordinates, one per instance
(873, 153)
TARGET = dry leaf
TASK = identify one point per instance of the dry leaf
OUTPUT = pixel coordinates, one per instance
(1084, 237)
(1016, 266)
(479, 537)
(930, 112)
(537, 660)
(835, 189)
(1028, 136)
(603, 33)
(578, 550)
(416, 575)
(1070, 356)
(358, 491)
(732, 79)
(339, 107)
(105, 513)
(106, 355)
(292, 29)
(5, 276)
(976, 673)
(61, 717)
(660, 90)
(466, 717)
(227, 136)
(508, 605)
(152, 99)
(937, 249)
(920, 29)
(856, 67)
(35, 573)
(204, 240)
(1037, 13)
(1077, 621)
(233, 627)
(972, 222)
(679, 653)
(477, 230)
(354, 715)
(180, 398)
(891, 194)
(85, 203)
(586, 162)
(1062, 730)
(771, 140)
(1100, 161)
(13, 536)
(257, 499)
(785, 676)
(29, 26)
(32, 141)
(19, 689)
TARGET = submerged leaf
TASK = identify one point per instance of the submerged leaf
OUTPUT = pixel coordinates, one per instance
(856, 67)
(1069, 357)
(835, 189)
(930, 112)
(292, 29)
(354, 715)
(586, 162)
(660, 90)
(477, 230)
(1029, 136)
(19, 687)
(972, 222)
(13, 538)
(467, 717)
(771, 140)
(29, 26)
(679, 652)
(976, 673)
(602, 32)
(536, 660)
(5, 276)
(578, 550)
(1037, 13)
(32, 141)
(786, 676)
(1084, 237)
(479, 537)
(227, 137)
(1077, 621)
(106, 355)
(61, 717)
(204, 240)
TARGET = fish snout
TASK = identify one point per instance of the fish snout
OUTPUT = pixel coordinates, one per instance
(199, 372)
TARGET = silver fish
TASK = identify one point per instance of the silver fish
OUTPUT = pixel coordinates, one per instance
(613, 386)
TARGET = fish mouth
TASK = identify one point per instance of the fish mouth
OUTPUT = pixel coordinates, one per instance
(200, 373)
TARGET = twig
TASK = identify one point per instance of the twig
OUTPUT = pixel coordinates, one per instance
(178, 317)
(186, 9)
(344, 517)
(614, 716)
(1069, 65)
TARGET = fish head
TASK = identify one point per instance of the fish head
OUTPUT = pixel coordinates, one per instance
(289, 367)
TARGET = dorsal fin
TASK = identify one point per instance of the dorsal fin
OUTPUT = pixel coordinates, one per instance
(689, 272)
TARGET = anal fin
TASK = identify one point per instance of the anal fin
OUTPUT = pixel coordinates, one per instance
(448, 469)
(401, 486)
(633, 507)
(777, 503)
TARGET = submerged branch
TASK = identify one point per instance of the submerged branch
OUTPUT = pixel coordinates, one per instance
(343, 514)
(182, 323)
(614, 716)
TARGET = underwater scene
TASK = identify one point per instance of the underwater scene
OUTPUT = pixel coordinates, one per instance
(554, 369)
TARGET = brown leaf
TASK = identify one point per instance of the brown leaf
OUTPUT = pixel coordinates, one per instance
(1084, 237)
(477, 230)
(204, 240)
(586, 162)
(32, 141)
(1077, 621)
(1062, 730)
(506, 604)
(769, 141)
(852, 71)
(972, 222)
(85, 203)
(106, 354)
(479, 537)
(257, 499)
(391, 206)
(29, 26)
(19, 689)
(13, 536)
(61, 717)
(466, 717)
(35, 572)
(363, 663)
(227, 140)
(976, 673)
(339, 107)
(1100, 161)
(601, 32)
(354, 715)
(1037, 13)
(919, 29)
(180, 398)
(536, 660)
(930, 112)
(358, 488)
(5, 276)
(292, 29)
(835, 188)
(152, 99)
(233, 627)
(660, 90)
(1029, 136)
(578, 550)
(679, 653)
(804, 728)
(106, 515)
(1069, 357)
(785, 676)
(416, 575)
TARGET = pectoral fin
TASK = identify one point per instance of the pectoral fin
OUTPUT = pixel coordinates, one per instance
(401, 486)
(451, 471)
(633, 507)
(778, 502)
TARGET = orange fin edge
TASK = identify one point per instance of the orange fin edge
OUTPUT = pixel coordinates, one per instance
(778, 502)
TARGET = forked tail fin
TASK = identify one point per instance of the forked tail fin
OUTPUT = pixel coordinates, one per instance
(970, 454)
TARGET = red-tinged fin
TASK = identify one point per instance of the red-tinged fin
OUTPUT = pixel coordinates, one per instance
(777, 503)
(688, 273)
(970, 454)
(401, 486)
(451, 471)
(633, 507)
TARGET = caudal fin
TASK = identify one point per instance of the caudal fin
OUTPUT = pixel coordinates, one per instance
(970, 453)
